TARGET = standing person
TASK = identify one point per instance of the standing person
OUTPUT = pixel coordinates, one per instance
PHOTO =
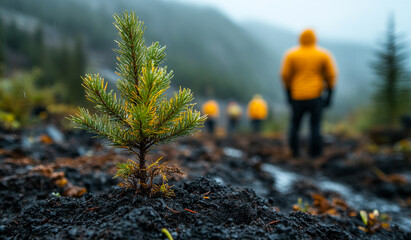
(212, 110)
(257, 112)
(234, 113)
(307, 71)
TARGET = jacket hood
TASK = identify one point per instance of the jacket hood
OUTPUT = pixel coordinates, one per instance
(307, 38)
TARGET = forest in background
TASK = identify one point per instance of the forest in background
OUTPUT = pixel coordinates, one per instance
(204, 57)
(208, 53)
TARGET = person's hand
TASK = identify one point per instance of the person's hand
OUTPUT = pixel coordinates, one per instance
(289, 98)
(327, 100)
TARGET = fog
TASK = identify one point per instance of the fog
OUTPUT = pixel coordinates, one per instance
(349, 20)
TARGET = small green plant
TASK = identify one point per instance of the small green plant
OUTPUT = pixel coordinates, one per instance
(142, 117)
(300, 206)
(374, 221)
(55, 194)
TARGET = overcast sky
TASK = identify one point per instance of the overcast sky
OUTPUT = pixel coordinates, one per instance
(345, 20)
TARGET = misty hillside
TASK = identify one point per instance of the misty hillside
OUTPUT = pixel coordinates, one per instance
(208, 52)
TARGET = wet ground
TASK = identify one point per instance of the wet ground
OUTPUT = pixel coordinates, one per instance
(56, 184)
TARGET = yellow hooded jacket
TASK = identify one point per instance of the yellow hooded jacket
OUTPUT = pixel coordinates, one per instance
(234, 110)
(257, 108)
(307, 68)
(211, 109)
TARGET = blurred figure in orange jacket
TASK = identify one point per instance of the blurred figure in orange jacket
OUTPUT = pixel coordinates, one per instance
(212, 110)
(257, 112)
(307, 71)
(234, 113)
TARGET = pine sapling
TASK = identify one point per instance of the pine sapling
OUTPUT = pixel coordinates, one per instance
(142, 116)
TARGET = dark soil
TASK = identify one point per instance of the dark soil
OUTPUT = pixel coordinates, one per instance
(225, 194)
(228, 213)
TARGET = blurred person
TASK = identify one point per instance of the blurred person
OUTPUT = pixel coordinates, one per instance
(212, 110)
(234, 113)
(307, 72)
(257, 112)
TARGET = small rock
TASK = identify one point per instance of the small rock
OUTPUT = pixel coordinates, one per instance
(55, 134)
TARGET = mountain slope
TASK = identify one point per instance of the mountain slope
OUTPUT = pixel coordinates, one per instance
(207, 52)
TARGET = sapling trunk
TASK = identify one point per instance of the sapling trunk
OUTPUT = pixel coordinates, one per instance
(143, 171)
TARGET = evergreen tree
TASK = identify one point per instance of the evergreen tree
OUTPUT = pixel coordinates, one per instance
(2, 48)
(78, 68)
(38, 50)
(142, 116)
(390, 68)
(13, 37)
(18, 41)
(62, 60)
(50, 68)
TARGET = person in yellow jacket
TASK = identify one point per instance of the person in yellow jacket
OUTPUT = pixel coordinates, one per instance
(234, 113)
(307, 72)
(212, 110)
(257, 111)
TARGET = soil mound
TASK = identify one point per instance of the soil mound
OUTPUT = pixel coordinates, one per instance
(202, 209)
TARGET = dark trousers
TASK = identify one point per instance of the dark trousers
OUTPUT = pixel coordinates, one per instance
(210, 123)
(314, 109)
(232, 125)
(256, 125)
